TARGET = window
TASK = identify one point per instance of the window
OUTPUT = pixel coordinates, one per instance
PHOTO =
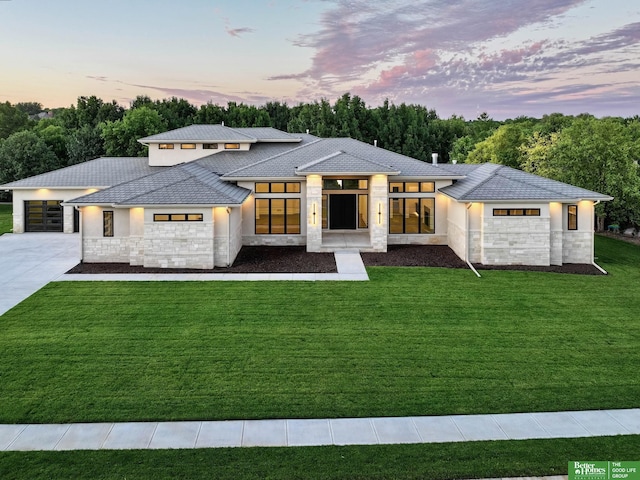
(277, 216)
(572, 217)
(210, 146)
(412, 187)
(107, 223)
(325, 210)
(516, 212)
(166, 146)
(411, 215)
(177, 217)
(232, 146)
(188, 146)
(278, 187)
(363, 211)
(345, 184)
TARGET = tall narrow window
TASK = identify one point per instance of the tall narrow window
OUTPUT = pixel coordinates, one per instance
(363, 211)
(107, 223)
(572, 218)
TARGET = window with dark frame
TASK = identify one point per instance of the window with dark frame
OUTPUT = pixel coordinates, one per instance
(188, 146)
(178, 217)
(410, 215)
(516, 212)
(345, 184)
(107, 223)
(277, 187)
(210, 146)
(165, 146)
(572, 217)
(276, 216)
(232, 146)
(412, 187)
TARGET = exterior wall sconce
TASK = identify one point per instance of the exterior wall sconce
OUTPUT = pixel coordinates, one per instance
(314, 213)
(379, 213)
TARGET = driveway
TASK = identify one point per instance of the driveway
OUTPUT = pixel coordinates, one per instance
(28, 261)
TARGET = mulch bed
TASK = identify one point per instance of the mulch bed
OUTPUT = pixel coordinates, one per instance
(249, 260)
(297, 260)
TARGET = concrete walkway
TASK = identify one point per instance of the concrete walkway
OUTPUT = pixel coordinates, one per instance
(348, 262)
(29, 261)
(340, 431)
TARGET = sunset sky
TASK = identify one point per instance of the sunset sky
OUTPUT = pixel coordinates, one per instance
(507, 58)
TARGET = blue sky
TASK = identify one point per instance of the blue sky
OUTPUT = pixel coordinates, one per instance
(463, 57)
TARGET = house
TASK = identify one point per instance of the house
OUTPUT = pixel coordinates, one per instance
(206, 190)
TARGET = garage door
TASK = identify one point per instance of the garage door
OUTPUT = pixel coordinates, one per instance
(43, 216)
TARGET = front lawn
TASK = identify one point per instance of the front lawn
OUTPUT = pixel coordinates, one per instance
(412, 341)
(6, 219)
(425, 461)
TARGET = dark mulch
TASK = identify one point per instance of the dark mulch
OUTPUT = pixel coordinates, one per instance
(249, 260)
(414, 256)
(298, 260)
(443, 256)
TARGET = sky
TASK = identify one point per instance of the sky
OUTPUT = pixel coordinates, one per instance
(507, 58)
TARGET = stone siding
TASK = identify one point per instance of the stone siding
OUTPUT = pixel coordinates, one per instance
(577, 247)
(274, 240)
(456, 239)
(556, 248)
(398, 239)
(136, 250)
(178, 245)
(475, 246)
(516, 241)
(314, 222)
(105, 249)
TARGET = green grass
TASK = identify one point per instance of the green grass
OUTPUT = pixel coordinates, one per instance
(6, 219)
(411, 341)
(427, 461)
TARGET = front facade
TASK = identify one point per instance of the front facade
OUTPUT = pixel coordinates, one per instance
(207, 190)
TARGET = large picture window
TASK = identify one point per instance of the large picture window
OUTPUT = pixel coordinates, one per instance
(572, 217)
(277, 216)
(411, 215)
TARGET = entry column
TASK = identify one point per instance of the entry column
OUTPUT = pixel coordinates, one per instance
(378, 203)
(314, 213)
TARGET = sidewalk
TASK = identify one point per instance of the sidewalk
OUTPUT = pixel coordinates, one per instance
(348, 262)
(316, 432)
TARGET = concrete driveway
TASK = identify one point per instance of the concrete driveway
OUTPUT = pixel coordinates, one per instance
(28, 261)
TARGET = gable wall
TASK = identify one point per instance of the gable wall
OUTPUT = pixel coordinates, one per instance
(516, 240)
(167, 158)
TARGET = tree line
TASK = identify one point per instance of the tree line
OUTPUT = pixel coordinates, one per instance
(597, 154)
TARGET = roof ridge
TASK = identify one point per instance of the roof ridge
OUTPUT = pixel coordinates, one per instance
(259, 162)
(485, 180)
(318, 160)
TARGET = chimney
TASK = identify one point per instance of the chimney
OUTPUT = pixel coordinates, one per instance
(375, 143)
(434, 158)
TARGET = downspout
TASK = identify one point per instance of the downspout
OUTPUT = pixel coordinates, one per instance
(593, 240)
(466, 246)
(228, 237)
(80, 233)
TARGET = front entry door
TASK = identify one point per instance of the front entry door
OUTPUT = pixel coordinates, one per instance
(342, 212)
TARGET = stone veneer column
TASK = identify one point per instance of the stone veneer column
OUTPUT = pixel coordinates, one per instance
(378, 215)
(314, 204)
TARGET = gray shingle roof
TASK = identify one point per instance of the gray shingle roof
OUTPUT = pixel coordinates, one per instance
(201, 133)
(285, 164)
(185, 184)
(101, 172)
(268, 134)
(341, 162)
(492, 182)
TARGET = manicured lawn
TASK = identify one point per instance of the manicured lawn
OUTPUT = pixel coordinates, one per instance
(6, 220)
(429, 461)
(411, 341)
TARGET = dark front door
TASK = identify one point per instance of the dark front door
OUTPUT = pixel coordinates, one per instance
(43, 216)
(342, 212)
